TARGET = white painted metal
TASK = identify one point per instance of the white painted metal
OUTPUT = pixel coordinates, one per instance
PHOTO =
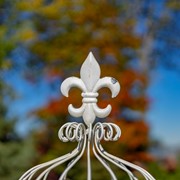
(90, 82)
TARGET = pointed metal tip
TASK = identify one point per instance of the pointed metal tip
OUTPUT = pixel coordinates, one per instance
(91, 57)
(90, 53)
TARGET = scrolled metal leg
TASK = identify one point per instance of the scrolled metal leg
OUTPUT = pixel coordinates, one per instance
(111, 132)
(121, 166)
(33, 170)
(78, 132)
(104, 163)
(73, 162)
(108, 132)
(68, 132)
(131, 165)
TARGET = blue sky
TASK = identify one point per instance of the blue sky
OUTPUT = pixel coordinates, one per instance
(163, 114)
(30, 96)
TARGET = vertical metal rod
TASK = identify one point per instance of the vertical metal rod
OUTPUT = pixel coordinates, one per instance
(88, 153)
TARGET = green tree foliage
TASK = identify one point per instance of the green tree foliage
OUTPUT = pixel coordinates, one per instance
(16, 154)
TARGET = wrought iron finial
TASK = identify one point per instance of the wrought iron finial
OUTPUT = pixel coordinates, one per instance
(90, 82)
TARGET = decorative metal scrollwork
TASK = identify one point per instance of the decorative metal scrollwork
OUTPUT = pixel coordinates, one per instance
(89, 83)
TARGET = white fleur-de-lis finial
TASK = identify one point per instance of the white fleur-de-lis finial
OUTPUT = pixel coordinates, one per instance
(90, 83)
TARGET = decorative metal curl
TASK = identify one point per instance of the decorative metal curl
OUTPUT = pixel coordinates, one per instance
(72, 132)
(106, 131)
(86, 136)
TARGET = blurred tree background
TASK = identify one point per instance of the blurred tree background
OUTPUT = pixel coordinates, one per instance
(53, 38)
(13, 148)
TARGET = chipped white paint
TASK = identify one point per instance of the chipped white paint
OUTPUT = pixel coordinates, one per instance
(89, 83)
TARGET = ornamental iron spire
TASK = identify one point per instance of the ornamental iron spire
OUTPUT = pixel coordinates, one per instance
(90, 83)
(89, 133)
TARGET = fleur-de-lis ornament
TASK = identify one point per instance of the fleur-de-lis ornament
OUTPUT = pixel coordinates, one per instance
(90, 82)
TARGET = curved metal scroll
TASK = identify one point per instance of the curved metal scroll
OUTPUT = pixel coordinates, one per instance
(88, 134)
